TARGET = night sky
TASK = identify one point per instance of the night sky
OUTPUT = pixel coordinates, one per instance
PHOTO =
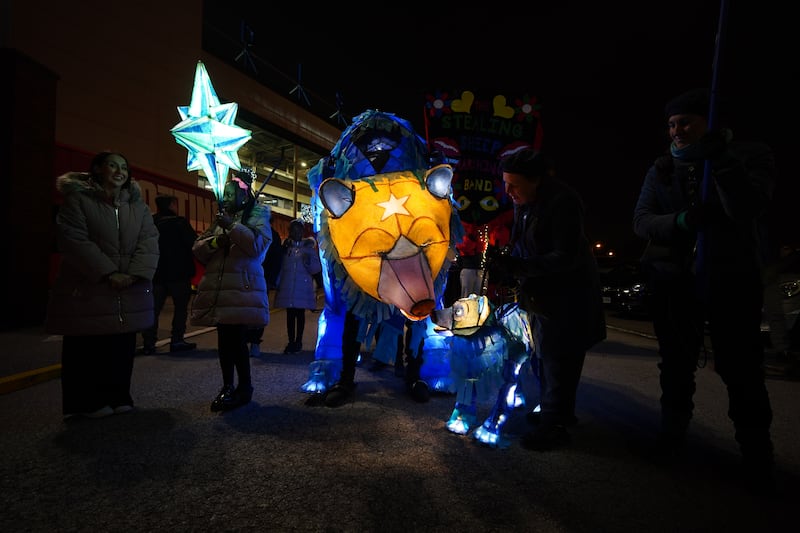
(601, 72)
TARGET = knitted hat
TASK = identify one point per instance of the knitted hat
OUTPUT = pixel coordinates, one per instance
(694, 102)
(527, 162)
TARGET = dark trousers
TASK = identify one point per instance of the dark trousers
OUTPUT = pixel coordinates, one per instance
(351, 346)
(295, 323)
(254, 335)
(678, 323)
(181, 293)
(234, 353)
(733, 311)
(96, 371)
(559, 373)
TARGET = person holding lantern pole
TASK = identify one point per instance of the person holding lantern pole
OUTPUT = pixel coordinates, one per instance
(706, 274)
(232, 294)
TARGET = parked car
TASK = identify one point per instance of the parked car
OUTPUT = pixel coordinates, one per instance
(789, 311)
(624, 289)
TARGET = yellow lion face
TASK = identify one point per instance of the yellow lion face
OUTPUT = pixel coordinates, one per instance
(392, 234)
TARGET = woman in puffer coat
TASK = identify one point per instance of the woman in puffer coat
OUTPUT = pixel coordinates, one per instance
(232, 295)
(102, 295)
(296, 284)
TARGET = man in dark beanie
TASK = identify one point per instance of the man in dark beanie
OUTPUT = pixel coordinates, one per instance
(704, 260)
(552, 262)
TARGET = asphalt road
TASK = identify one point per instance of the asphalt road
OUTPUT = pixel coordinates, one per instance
(382, 463)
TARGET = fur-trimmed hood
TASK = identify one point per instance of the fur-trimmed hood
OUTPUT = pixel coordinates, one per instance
(81, 182)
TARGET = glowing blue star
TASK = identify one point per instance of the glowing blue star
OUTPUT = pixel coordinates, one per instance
(208, 131)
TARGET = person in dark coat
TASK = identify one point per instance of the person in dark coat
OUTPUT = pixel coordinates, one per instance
(102, 295)
(552, 261)
(704, 259)
(174, 274)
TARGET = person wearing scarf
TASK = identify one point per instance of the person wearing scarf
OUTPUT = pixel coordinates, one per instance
(704, 265)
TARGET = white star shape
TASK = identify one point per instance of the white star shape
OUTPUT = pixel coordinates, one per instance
(394, 206)
(208, 131)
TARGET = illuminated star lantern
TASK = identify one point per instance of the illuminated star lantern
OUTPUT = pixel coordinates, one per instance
(207, 130)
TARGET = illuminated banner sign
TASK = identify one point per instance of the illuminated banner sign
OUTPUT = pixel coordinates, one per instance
(473, 132)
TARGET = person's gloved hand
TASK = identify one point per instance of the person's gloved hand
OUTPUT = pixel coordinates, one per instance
(695, 218)
(224, 220)
(223, 240)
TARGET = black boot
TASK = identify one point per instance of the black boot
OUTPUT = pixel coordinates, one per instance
(416, 387)
(241, 396)
(225, 397)
(758, 459)
(340, 393)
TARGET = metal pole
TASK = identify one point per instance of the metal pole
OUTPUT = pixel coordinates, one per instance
(702, 244)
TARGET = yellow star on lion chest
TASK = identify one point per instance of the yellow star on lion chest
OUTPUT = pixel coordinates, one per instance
(394, 206)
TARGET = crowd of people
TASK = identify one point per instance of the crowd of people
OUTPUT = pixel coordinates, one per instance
(698, 210)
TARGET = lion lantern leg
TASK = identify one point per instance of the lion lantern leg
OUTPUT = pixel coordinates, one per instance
(465, 413)
(508, 398)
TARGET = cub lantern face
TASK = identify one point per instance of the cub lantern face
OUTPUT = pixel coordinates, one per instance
(392, 233)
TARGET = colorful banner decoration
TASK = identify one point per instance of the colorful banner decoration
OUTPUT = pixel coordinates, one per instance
(207, 130)
(473, 132)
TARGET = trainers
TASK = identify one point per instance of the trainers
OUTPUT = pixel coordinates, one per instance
(546, 437)
(255, 349)
(118, 410)
(182, 346)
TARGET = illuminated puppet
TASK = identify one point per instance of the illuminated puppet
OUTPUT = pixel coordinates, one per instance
(387, 227)
(489, 346)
